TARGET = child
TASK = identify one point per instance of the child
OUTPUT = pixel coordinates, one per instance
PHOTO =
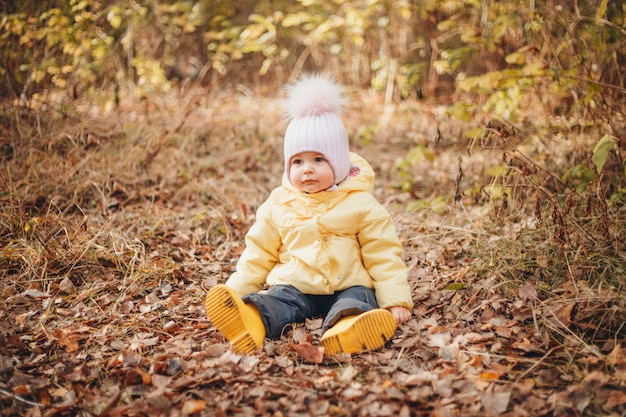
(321, 243)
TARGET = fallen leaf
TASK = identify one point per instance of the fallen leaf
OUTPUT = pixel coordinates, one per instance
(353, 392)
(299, 335)
(505, 332)
(58, 392)
(20, 390)
(439, 339)
(127, 358)
(417, 379)
(473, 337)
(443, 386)
(579, 398)
(67, 338)
(319, 382)
(456, 286)
(34, 293)
(348, 374)
(597, 378)
(616, 399)
(117, 345)
(313, 354)
(21, 319)
(490, 375)
(161, 381)
(564, 314)
(527, 346)
(67, 286)
(495, 402)
(193, 406)
(617, 356)
(527, 292)
(427, 323)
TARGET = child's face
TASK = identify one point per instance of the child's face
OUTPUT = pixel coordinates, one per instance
(310, 172)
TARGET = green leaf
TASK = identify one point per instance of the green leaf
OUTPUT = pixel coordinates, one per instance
(601, 152)
(535, 68)
(490, 80)
(516, 58)
(295, 19)
(459, 111)
(468, 84)
(417, 154)
(497, 192)
(487, 81)
(447, 25)
(456, 286)
(503, 25)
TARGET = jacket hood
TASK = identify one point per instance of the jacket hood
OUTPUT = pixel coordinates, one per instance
(360, 178)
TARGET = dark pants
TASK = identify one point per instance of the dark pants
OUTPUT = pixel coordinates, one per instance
(282, 305)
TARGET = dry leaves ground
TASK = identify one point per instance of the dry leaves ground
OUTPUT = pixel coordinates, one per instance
(113, 226)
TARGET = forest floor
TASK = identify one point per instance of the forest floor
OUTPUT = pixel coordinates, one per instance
(115, 224)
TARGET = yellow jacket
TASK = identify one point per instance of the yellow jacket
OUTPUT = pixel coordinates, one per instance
(325, 242)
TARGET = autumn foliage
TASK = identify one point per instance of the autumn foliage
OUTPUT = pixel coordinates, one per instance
(137, 140)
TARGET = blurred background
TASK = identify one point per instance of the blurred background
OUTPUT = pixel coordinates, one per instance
(568, 56)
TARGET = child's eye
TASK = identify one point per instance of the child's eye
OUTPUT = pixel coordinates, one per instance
(296, 161)
(320, 159)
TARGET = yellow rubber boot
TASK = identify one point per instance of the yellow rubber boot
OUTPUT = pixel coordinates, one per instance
(239, 322)
(365, 331)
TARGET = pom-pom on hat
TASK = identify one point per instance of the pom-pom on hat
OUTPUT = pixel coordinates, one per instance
(313, 105)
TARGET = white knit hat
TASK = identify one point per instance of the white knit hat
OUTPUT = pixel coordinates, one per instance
(313, 105)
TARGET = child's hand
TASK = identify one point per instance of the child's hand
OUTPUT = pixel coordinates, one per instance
(401, 314)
